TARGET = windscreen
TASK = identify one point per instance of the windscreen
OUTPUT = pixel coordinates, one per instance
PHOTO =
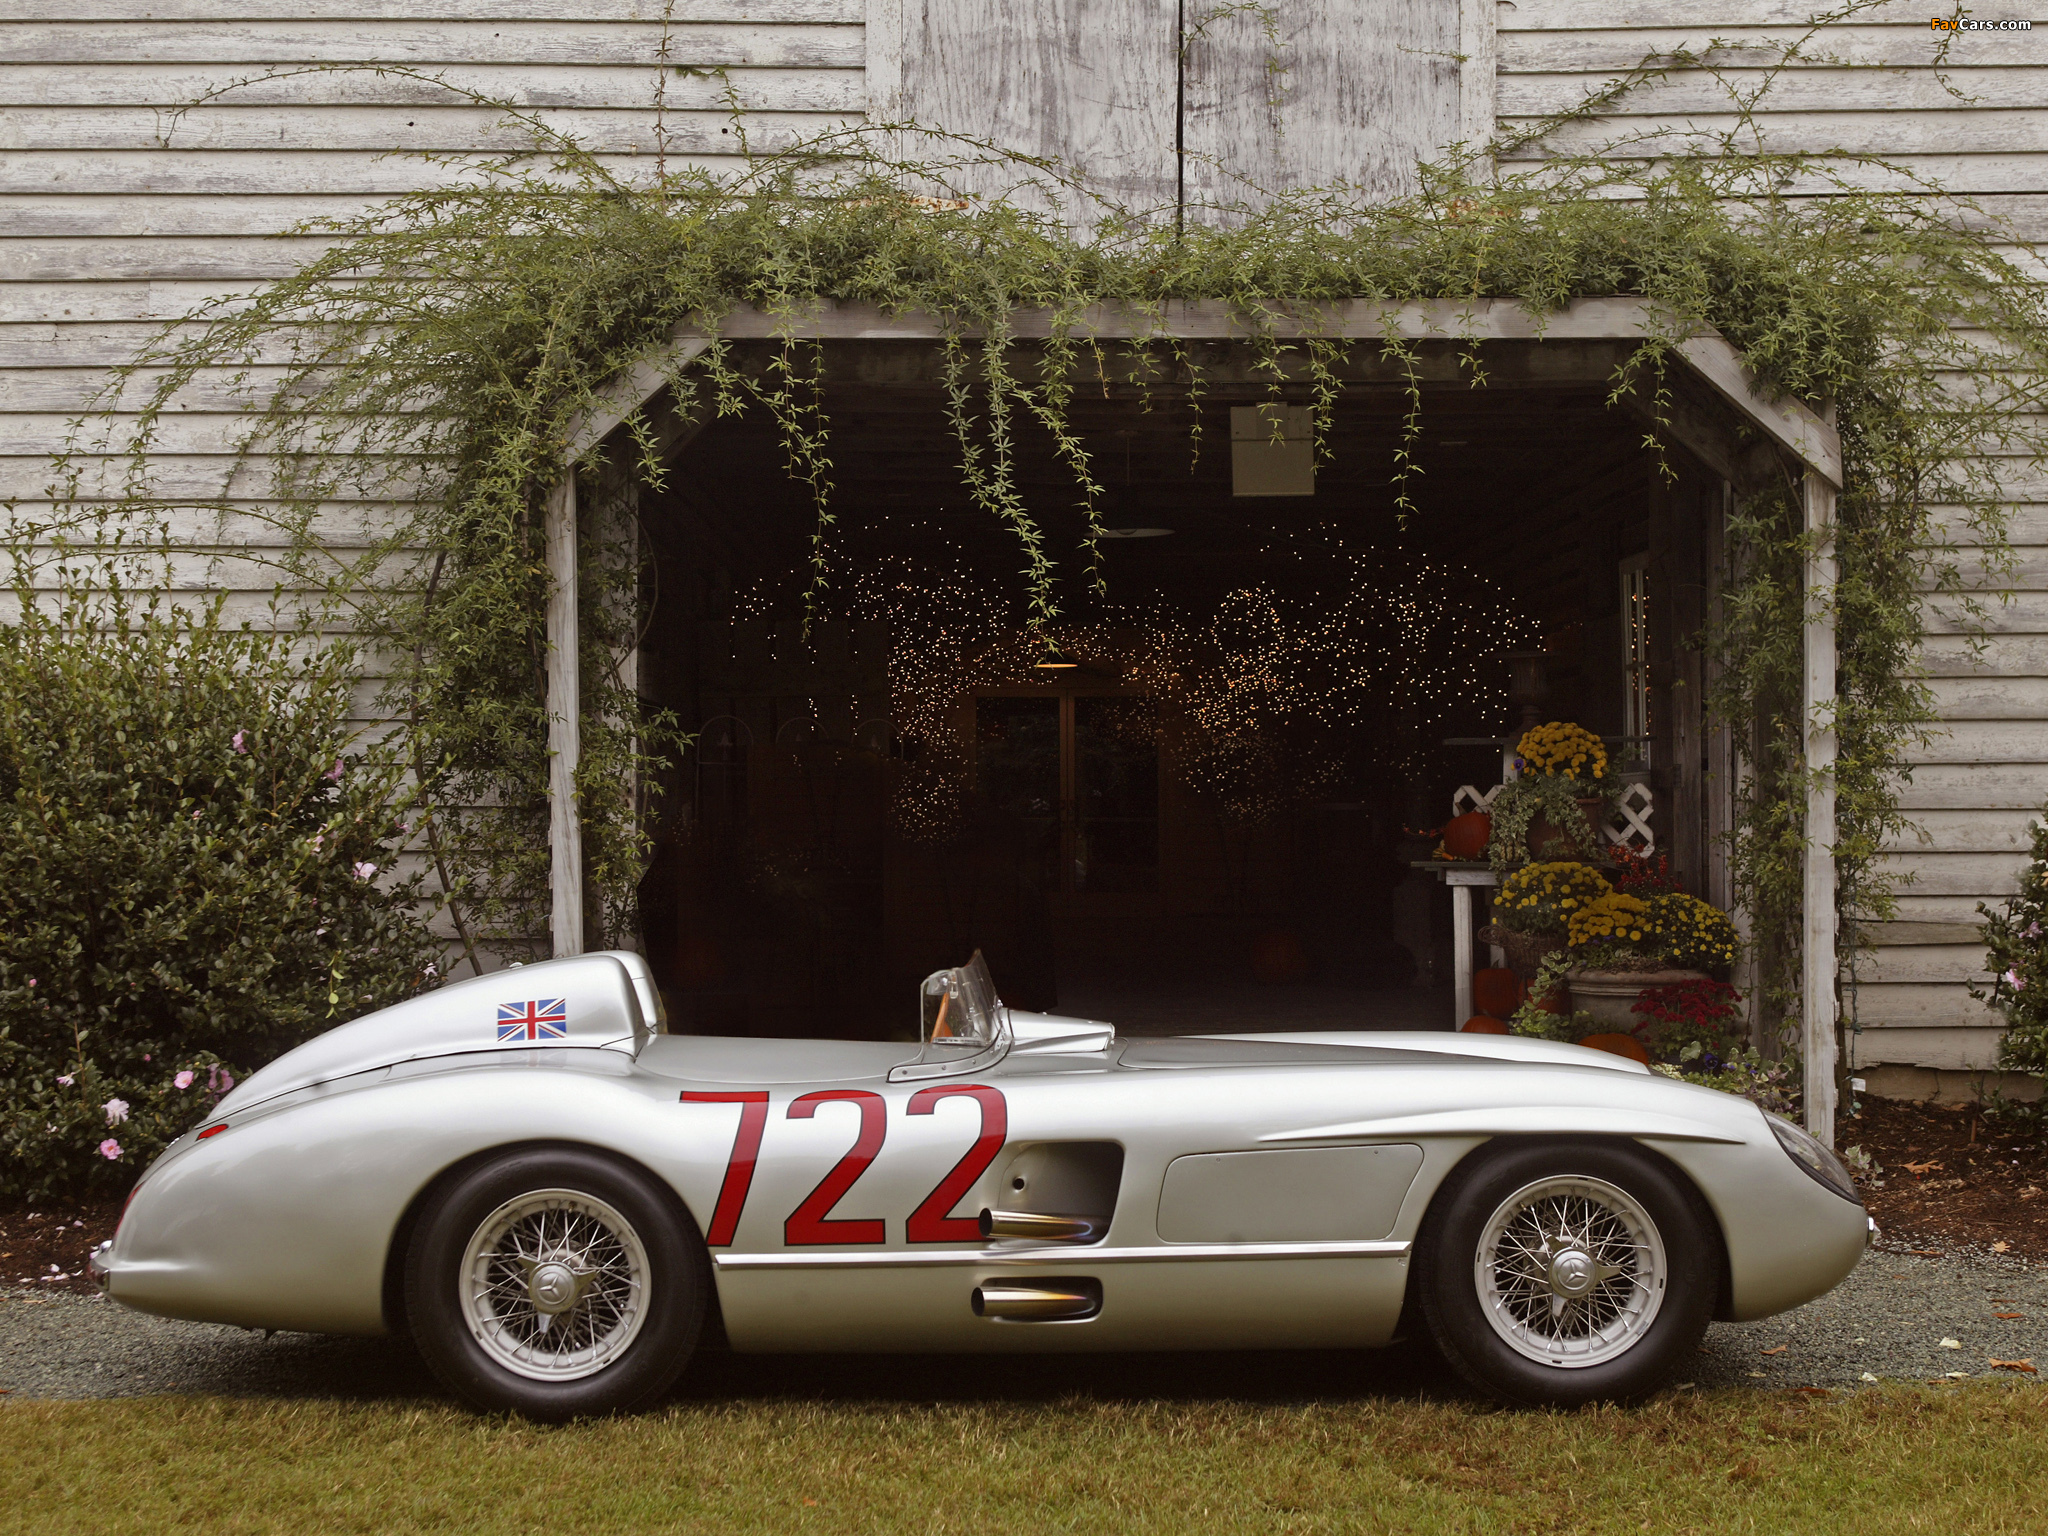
(960, 1012)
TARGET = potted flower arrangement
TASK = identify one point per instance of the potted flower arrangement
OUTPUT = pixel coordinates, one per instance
(1554, 809)
(1534, 906)
(1622, 944)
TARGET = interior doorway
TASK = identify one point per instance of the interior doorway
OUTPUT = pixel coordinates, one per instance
(1196, 799)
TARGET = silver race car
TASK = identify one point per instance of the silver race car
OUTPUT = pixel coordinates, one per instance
(553, 1195)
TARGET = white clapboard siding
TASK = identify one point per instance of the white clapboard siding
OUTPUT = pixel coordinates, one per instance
(1969, 830)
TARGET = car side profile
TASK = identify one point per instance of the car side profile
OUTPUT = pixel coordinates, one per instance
(551, 1194)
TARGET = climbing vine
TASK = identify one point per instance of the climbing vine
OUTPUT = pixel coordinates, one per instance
(437, 355)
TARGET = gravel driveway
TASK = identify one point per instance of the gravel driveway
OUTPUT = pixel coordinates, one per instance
(1887, 1320)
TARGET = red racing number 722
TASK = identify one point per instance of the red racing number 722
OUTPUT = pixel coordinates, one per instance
(812, 1223)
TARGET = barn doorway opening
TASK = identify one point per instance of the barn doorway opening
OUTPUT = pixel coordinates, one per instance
(1196, 800)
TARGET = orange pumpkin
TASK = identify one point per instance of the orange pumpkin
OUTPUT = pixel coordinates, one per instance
(1496, 991)
(1466, 836)
(1480, 1024)
(1618, 1045)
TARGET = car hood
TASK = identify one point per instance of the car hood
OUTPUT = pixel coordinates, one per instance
(1362, 1047)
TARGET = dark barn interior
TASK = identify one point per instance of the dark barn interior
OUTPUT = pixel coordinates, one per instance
(1193, 800)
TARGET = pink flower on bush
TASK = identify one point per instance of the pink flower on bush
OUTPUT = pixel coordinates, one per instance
(110, 1149)
(336, 771)
(364, 871)
(242, 742)
(66, 1080)
(31, 981)
(2013, 980)
(117, 1110)
(219, 1079)
(182, 1081)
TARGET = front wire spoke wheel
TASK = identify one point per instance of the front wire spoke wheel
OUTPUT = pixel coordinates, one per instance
(554, 1285)
(1571, 1271)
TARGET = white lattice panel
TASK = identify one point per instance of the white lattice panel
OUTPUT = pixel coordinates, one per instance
(1469, 799)
(1628, 824)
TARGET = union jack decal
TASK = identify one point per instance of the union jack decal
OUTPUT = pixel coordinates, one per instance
(544, 1018)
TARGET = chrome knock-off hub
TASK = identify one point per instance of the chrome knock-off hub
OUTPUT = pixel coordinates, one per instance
(555, 1287)
(1573, 1273)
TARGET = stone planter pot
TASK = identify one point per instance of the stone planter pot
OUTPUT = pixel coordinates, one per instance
(1610, 996)
(1549, 842)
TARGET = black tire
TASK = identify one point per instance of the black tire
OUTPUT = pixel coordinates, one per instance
(637, 1336)
(1655, 1312)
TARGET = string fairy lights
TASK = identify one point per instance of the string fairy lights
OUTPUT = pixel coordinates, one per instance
(1283, 692)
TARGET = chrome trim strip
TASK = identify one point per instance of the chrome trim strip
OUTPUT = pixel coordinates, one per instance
(1066, 1257)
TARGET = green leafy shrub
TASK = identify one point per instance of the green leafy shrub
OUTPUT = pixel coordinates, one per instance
(195, 869)
(2018, 961)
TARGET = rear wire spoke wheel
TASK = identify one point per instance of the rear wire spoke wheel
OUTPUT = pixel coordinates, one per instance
(1560, 1273)
(555, 1283)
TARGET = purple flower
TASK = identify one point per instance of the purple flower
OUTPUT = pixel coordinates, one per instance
(182, 1081)
(336, 771)
(2033, 932)
(241, 742)
(67, 1080)
(110, 1149)
(364, 871)
(117, 1110)
(318, 839)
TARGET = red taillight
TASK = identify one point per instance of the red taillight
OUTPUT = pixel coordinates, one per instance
(212, 1130)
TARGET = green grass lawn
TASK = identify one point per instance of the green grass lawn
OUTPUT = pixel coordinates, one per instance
(1963, 1459)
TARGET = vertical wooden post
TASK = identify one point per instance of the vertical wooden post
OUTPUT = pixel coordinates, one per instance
(1478, 74)
(565, 722)
(1817, 713)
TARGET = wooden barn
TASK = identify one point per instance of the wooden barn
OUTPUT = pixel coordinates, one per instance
(152, 146)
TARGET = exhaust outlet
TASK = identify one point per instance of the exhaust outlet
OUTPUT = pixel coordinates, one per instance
(1048, 1301)
(1041, 1228)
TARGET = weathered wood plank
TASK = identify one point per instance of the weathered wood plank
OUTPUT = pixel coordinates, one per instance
(162, 217)
(699, 45)
(1854, 43)
(2025, 614)
(1985, 741)
(1090, 83)
(463, 129)
(211, 173)
(1945, 786)
(1894, 965)
(1964, 1048)
(1952, 656)
(1944, 909)
(1918, 89)
(1997, 131)
(228, 259)
(1351, 91)
(1994, 698)
(1922, 1004)
(582, 87)
(1721, 15)
(1985, 875)
(573, 12)
(1966, 831)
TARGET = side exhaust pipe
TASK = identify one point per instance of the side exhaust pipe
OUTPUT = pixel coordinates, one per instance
(1041, 1228)
(1047, 1301)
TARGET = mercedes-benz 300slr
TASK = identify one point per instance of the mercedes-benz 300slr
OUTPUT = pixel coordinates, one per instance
(555, 1197)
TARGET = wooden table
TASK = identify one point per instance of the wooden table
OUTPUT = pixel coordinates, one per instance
(1463, 878)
